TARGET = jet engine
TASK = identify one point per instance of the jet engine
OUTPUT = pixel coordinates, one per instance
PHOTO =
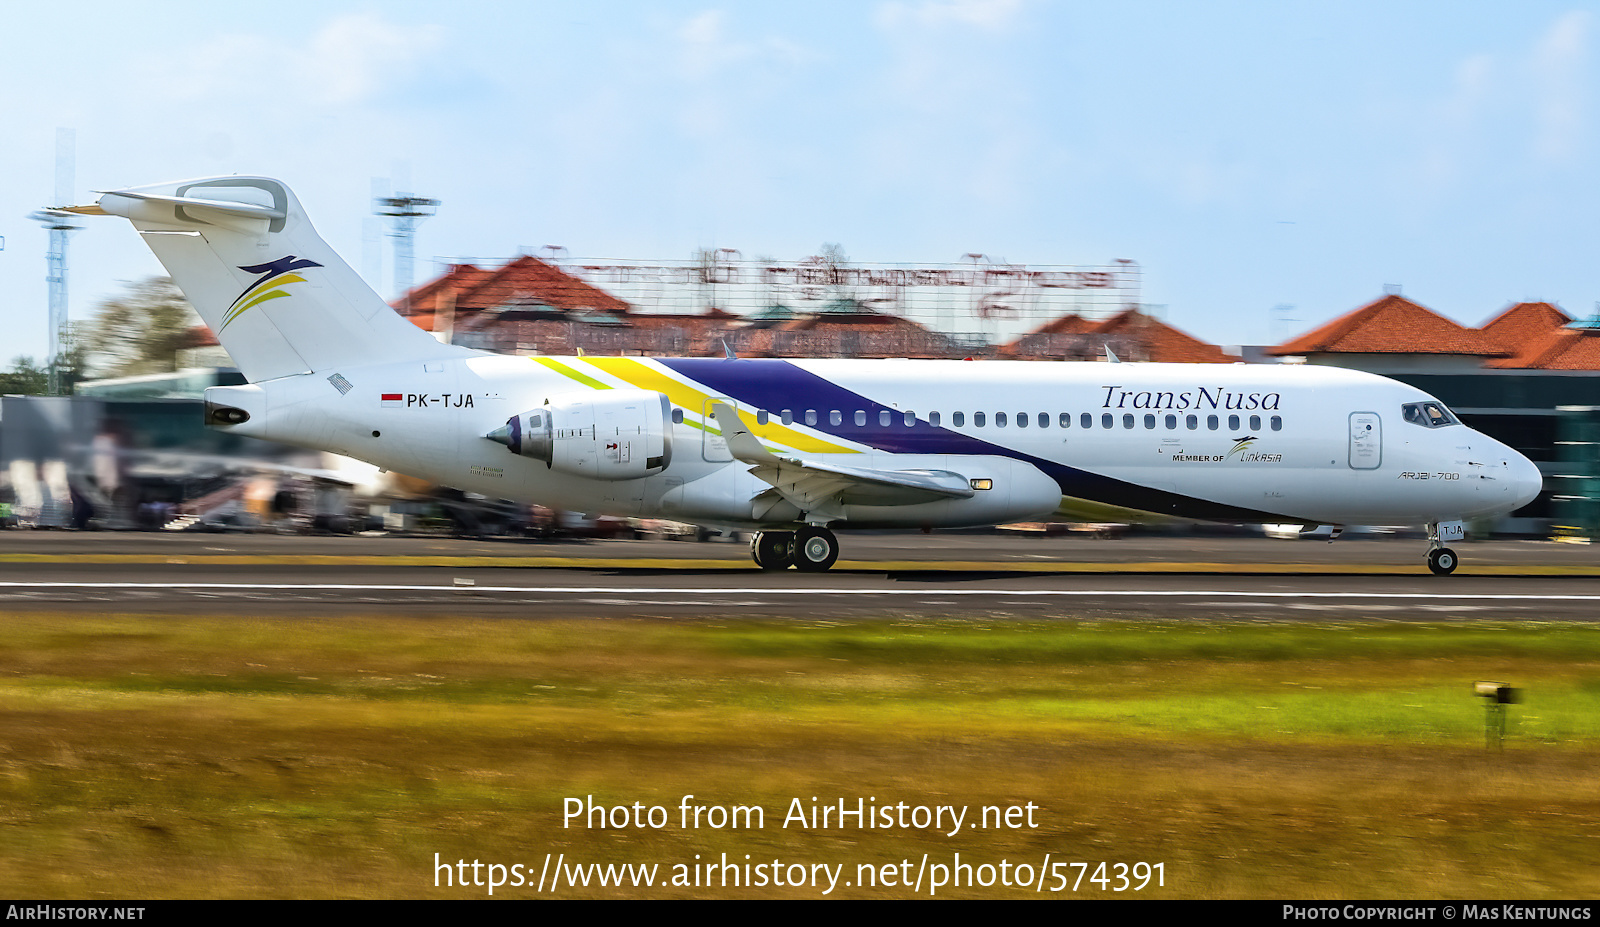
(620, 434)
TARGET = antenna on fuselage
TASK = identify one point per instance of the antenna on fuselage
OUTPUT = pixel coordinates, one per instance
(1110, 357)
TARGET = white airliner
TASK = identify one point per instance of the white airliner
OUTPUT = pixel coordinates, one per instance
(796, 448)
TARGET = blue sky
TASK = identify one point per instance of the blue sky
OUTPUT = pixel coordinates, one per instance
(1247, 155)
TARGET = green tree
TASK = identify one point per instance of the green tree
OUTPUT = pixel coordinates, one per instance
(139, 332)
(29, 378)
(25, 378)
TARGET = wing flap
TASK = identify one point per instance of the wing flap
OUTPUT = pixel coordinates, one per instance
(822, 489)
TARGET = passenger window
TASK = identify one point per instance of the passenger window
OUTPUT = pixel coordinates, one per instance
(677, 416)
(1105, 419)
(1127, 420)
(1255, 423)
(1172, 422)
(1277, 423)
(1233, 423)
(958, 419)
(787, 417)
(1150, 421)
(933, 419)
(911, 419)
(1044, 419)
(761, 417)
(1066, 420)
(1211, 422)
(977, 419)
(861, 418)
(1022, 419)
(883, 418)
(999, 420)
(811, 416)
(835, 417)
(1192, 422)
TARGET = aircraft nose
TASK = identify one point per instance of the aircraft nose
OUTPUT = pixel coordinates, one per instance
(1526, 480)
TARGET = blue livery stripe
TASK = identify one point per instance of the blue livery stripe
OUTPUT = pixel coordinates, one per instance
(774, 385)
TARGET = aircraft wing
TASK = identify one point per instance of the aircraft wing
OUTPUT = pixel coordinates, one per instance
(822, 489)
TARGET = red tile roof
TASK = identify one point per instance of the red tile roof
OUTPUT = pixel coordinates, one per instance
(199, 336)
(1131, 332)
(1159, 342)
(1393, 325)
(431, 296)
(1069, 324)
(524, 280)
(529, 279)
(1524, 326)
(1560, 349)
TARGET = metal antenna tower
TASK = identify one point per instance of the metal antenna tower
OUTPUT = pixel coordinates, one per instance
(59, 224)
(404, 211)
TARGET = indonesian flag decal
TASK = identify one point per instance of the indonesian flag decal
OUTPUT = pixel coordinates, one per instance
(393, 400)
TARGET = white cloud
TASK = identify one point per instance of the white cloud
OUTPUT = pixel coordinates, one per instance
(1527, 103)
(706, 48)
(355, 56)
(1560, 71)
(989, 15)
(349, 61)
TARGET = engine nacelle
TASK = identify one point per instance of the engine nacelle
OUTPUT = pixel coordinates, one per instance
(620, 434)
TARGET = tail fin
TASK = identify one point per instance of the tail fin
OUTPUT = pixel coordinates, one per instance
(276, 296)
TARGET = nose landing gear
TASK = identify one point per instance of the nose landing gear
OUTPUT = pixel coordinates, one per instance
(1441, 559)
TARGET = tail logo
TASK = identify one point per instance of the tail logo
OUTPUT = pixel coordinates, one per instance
(272, 278)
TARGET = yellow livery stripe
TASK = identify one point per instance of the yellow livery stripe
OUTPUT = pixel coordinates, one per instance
(642, 376)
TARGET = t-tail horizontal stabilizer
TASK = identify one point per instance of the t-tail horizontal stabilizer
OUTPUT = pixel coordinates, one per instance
(275, 295)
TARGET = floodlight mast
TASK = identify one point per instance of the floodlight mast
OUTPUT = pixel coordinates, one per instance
(59, 225)
(404, 211)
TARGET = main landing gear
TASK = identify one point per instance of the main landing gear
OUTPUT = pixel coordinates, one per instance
(773, 550)
(811, 549)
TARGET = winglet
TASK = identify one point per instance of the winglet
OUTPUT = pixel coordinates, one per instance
(741, 443)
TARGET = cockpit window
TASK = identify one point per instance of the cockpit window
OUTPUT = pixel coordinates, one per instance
(1428, 414)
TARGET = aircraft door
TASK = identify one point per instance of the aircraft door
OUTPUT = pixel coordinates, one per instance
(1366, 441)
(714, 448)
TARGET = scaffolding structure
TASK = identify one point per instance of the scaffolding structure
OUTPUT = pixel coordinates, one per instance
(975, 303)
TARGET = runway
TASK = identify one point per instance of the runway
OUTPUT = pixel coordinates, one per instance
(977, 576)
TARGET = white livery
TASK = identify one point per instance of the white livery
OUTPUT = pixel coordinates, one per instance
(794, 449)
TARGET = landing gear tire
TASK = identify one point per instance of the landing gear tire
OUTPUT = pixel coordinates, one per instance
(773, 550)
(1442, 561)
(815, 549)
